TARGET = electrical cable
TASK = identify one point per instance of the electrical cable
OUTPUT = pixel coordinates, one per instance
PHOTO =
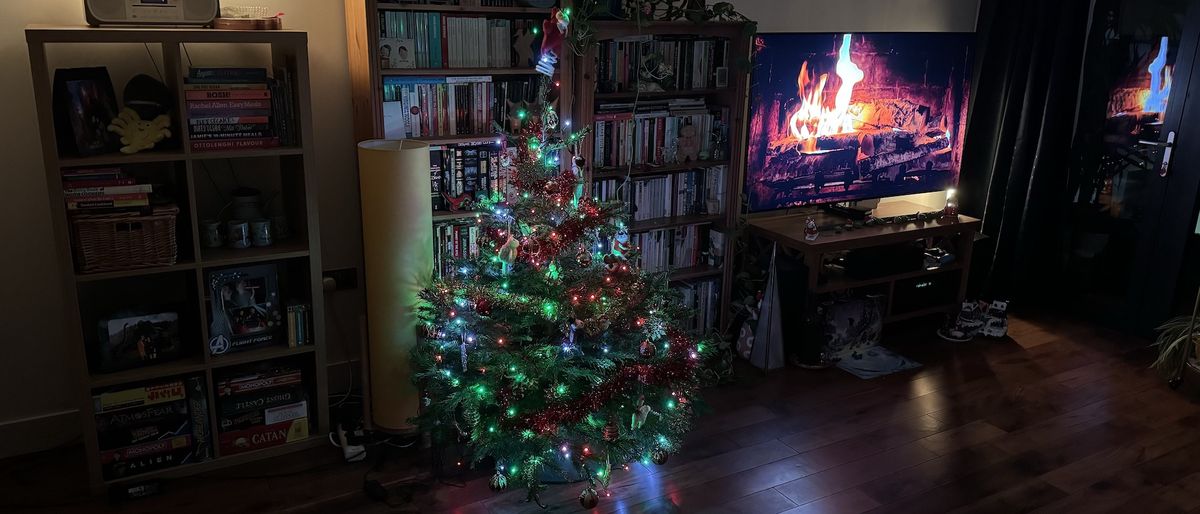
(155, 63)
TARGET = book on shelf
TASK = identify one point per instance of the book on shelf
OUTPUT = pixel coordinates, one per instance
(703, 298)
(435, 40)
(680, 63)
(239, 108)
(688, 193)
(143, 428)
(467, 172)
(658, 132)
(450, 106)
(103, 188)
(452, 242)
(299, 326)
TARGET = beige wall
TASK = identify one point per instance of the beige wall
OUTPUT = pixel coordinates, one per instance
(37, 392)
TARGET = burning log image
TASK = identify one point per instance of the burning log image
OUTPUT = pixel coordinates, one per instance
(843, 117)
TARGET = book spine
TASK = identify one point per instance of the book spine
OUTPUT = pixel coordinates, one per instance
(225, 86)
(208, 128)
(210, 136)
(77, 190)
(228, 95)
(235, 144)
(80, 183)
(227, 105)
(76, 205)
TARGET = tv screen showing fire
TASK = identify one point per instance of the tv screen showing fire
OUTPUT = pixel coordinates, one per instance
(845, 117)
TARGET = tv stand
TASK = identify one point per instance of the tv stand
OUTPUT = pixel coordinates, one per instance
(819, 280)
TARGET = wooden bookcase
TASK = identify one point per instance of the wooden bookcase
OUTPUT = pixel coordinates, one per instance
(733, 97)
(366, 74)
(300, 254)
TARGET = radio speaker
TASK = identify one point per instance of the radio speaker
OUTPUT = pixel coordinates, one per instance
(151, 12)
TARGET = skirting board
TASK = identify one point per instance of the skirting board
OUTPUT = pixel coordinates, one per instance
(37, 433)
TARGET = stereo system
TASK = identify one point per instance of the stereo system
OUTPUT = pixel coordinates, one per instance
(151, 12)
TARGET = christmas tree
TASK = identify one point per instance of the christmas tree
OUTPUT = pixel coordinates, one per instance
(551, 353)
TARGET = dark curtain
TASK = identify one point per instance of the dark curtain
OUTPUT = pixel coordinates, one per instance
(1017, 148)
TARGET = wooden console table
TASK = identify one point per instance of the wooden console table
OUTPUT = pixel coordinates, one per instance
(788, 231)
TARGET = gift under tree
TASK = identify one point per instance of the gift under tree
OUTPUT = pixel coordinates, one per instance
(552, 353)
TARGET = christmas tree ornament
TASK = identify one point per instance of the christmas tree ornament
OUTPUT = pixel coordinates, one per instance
(612, 263)
(509, 251)
(588, 499)
(647, 349)
(641, 413)
(531, 248)
(621, 246)
(470, 416)
(554, 29)
(611, 431)
(499, 482)
(659, 456)
(583, 257)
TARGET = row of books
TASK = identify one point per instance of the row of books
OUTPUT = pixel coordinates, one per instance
(667, 249)
(453, 241)
(450, 106)
(695, 192)
(261, 408)
(435, 40)
(151, 427)
(695, 63)
(466, 172)
(658, 133)
(704, 298)
(239, 108)
(103, 188)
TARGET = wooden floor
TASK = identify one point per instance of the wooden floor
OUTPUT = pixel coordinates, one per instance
(1061, 418)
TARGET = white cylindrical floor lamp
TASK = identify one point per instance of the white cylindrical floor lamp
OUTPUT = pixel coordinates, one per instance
(397, 219)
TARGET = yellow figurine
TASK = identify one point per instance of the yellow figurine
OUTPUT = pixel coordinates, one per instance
(138, 134)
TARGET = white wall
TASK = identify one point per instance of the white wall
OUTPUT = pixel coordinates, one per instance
(37, 388)
(865, 16)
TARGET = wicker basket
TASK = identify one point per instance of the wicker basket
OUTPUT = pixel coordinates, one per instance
(125, 240)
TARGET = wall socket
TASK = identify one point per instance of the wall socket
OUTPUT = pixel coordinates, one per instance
(343, 279)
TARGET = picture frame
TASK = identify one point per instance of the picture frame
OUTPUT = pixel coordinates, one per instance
(84, 105)
(246, 310)
(137, 340)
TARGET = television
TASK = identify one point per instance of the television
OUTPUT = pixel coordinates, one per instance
(842, 117)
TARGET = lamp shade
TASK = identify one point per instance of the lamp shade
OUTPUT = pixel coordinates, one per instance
(397, 220)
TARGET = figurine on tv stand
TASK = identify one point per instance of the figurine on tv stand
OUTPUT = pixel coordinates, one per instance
(810, 230)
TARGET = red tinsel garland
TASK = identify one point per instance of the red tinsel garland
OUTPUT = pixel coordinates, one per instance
(678, 367)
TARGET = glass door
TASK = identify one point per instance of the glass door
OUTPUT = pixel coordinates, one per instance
(1128, 135)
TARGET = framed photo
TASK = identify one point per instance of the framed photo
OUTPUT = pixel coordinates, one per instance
(246, 309)
(133, 341)
(84, 105)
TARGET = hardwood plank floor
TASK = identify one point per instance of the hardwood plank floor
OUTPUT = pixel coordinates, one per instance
(1062, 417)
